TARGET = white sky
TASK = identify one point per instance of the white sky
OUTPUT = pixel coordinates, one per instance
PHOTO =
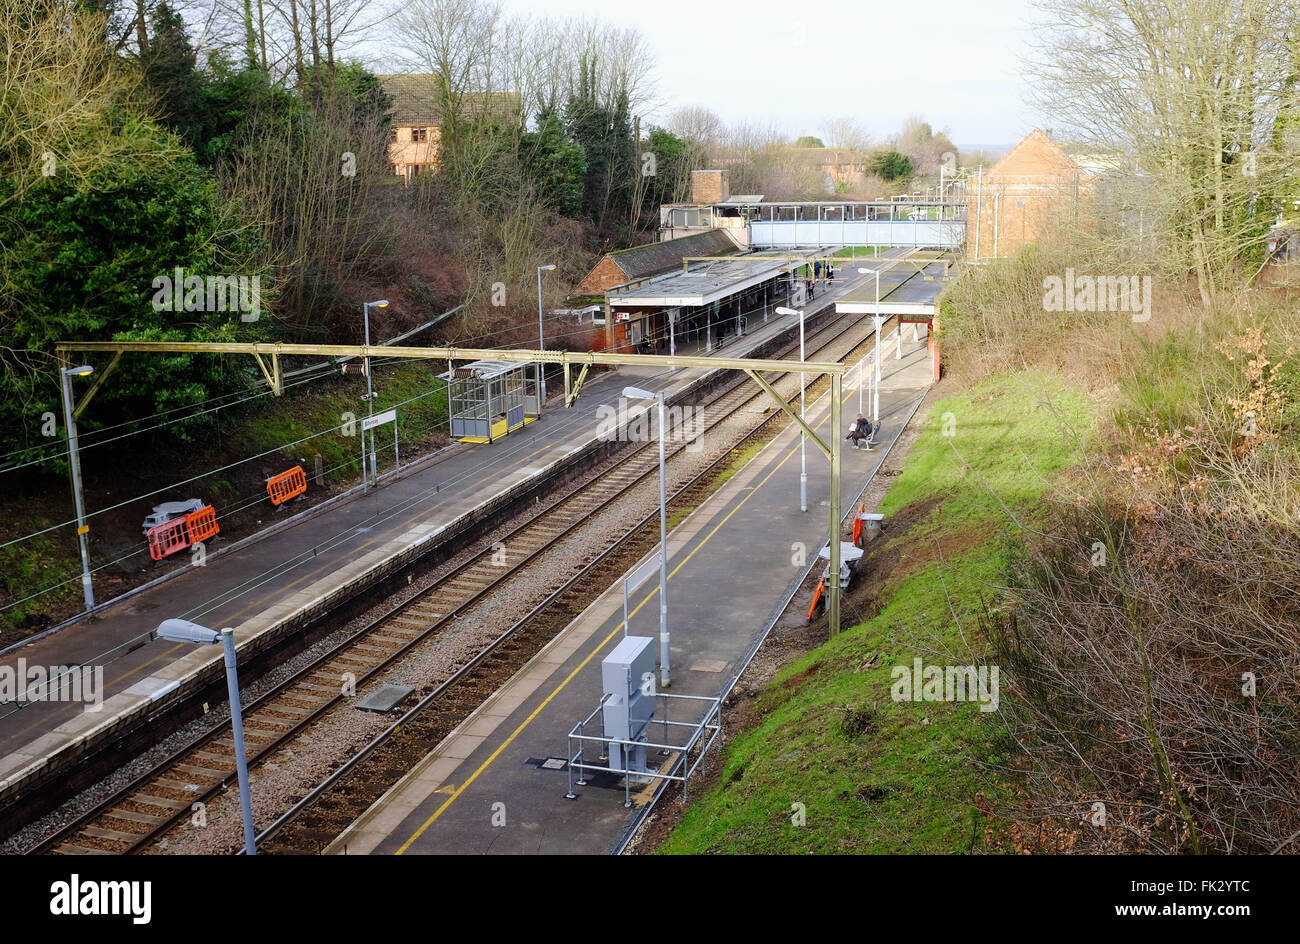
(801, 62)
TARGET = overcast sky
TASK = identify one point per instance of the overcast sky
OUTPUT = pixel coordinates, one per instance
(954, 62)
(800, 63)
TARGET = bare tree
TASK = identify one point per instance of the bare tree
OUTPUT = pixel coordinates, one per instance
(452, 40)
(1194, 91)
(847, 133)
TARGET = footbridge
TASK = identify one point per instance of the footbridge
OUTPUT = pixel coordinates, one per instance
(753, 222)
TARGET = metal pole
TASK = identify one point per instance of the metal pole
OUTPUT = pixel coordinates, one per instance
(74, 464)
(875, 387)
(837, 385)
(664, 673)
(803, 438)
(979, 210)
(861, 381)
(370, 406)
(875, 394)
(237, 727)
(997, 207)
(541, 339)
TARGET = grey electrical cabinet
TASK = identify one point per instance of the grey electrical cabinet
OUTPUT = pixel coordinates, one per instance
(624, 672)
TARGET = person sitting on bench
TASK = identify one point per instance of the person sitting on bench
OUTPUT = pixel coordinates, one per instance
(860, 431)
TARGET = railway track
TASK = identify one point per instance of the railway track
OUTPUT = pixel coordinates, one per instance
(314, 822)
(133, 818)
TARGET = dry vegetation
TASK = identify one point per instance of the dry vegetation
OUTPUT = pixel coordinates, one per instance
(1149, 632)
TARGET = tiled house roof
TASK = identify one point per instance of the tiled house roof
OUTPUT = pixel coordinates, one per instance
(639, 262)
(416, 101)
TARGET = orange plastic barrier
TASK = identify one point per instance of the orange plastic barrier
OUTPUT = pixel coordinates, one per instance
(168, 538)
(286, 485)
(201, 524)
(817, 598)
(857, 528)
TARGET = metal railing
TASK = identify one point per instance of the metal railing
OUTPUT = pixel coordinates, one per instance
(700, 735)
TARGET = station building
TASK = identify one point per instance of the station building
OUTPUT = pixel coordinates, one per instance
(694, 293)
(1034, 184)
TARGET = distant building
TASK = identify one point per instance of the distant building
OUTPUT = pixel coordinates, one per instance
(1011, 202)
(712, 207)
(625, 266)
(842, 170)
(417, 119)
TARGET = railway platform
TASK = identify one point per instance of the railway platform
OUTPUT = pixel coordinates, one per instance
(272, 584)
(498, 783)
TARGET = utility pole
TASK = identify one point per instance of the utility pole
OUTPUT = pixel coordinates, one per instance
(74, 465)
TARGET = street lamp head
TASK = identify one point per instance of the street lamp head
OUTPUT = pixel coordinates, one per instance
(79, 371)
(545, 268)
(179, 630)
(787, 311)
(636, 393)
(862, 271)
(382, 303)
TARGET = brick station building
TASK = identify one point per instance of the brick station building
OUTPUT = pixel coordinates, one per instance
(1037, 182)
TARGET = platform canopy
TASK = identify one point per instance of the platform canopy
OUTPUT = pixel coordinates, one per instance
(701, 286)
(708, 280)
(481, 370)
(911, 301)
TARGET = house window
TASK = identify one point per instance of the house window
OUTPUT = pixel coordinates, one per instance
(419, 134)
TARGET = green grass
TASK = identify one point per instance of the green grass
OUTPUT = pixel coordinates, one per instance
(858, 252)
(35, 565)
(878, 775)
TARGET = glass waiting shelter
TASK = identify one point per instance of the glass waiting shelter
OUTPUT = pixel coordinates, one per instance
(488, 399)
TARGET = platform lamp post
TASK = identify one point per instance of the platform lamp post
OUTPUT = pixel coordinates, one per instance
(803, 438)
(541, 336)
(370, 392)
(74, 464)
(183, 631)
(636, 393)
(875, 392)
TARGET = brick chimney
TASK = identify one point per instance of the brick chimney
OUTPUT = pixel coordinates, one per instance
(709, 186)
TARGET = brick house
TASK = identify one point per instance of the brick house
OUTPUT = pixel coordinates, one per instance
(1036, 183)
(417, 121)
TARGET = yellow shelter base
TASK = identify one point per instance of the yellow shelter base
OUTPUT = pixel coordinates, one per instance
(499, 430)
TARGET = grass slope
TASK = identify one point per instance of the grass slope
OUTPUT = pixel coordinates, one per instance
(873, 774)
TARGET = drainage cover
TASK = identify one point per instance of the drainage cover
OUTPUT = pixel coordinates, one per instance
(385, 698)
(547, 763)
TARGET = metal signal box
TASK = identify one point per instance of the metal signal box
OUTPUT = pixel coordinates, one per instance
(628, 677)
